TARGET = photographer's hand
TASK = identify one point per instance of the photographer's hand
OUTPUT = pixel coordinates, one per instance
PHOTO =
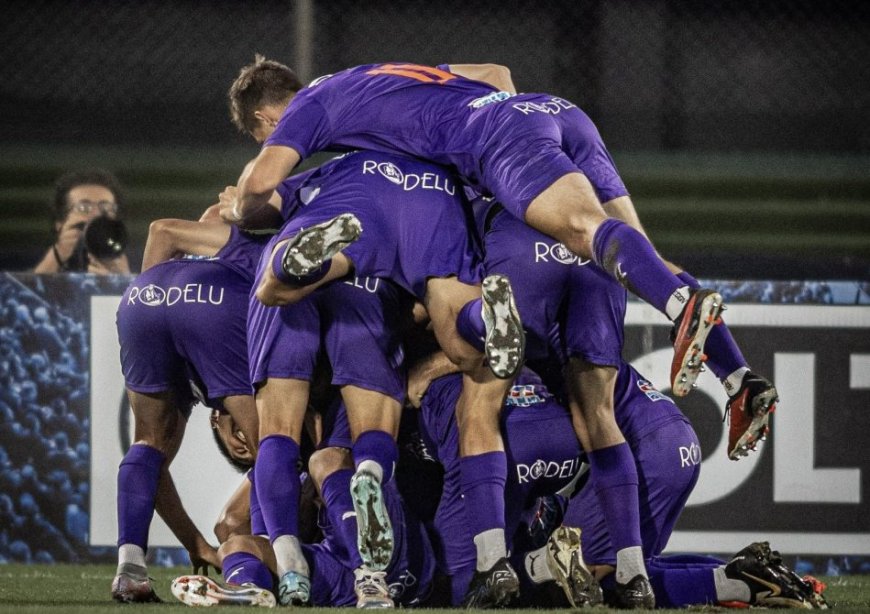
(112, 266)
(68, 237)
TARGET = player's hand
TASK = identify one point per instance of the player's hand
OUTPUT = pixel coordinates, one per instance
(203, 557)
(419, 379)
(229, 205)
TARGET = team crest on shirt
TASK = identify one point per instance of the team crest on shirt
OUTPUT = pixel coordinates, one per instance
(544, 252)
(523, 396)
(650, 391)
(391, 172)
(152, 295)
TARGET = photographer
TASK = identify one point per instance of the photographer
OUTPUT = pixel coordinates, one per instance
(89, 237)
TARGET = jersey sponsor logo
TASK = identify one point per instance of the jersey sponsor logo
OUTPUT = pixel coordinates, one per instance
(690, 455)
(554, 106)
(524, 395)
(369, 284)
(544, 252)
(153, 295)
(547, 469)
(489, 99)
(409, 181)
(650, 391)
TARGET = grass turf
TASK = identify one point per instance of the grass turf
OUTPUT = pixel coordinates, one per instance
(85, 588)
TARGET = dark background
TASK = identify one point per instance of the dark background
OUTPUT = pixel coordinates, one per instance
(741, 128)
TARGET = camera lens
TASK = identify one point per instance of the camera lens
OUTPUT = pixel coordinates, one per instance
(105, 238)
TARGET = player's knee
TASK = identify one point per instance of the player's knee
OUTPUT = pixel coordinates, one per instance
(327, 461)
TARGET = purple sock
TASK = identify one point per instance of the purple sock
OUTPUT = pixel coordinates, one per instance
(687, 560)
(723, 355)
(258, 525)
(297, 280)
(138, 476)
(630, 258)
(335, 491)
(470, 324)
(677, 587)
(378, 447)
(243, 568)
(482, 478)
(277, 480)
(614, 476)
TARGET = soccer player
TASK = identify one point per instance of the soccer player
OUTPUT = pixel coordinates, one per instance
(357, 322)
(374, 214)
(538, 154)
(542, 455)
(170, 356)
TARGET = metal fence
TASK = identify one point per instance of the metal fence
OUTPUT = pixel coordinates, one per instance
(656, 75)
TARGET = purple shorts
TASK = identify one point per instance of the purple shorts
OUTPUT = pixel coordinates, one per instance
(353, 320)
(554, 287)
(533, 140)
(182, 323)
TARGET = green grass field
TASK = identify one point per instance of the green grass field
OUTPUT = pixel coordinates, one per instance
(85, 588)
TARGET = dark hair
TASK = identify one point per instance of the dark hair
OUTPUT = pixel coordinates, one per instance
(265, 82)
(240, 465)
(66, 182)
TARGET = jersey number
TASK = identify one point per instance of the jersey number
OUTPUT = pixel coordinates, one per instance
(426, 74)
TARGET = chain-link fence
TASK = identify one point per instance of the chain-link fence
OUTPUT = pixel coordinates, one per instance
(655, 74)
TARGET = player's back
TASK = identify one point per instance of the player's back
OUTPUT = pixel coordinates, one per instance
(395, 107)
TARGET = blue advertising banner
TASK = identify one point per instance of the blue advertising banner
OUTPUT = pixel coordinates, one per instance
(65, 424)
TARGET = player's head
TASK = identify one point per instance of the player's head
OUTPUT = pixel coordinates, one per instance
(259, 96)
(231, 441)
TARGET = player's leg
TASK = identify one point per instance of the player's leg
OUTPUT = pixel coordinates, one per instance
(278, 288)
(247, 564)
(281, 405)
(332, 471)
(158, 428)
(483, 464)
(752, 398)
(613, 473)
(374, 424)
(569, 211)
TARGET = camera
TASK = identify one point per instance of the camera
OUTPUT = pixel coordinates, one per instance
(104, 238)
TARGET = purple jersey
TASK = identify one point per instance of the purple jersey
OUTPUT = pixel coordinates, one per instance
(512, 147)
(242, 251)
(414, 223)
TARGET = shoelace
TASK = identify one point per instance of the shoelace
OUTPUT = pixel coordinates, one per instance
(373, 583)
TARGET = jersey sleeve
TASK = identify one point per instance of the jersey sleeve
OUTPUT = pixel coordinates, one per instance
(304, 127)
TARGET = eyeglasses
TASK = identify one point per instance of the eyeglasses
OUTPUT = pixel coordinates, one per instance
(89, 206)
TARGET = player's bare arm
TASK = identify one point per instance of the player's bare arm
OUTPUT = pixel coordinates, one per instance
(496, 75)
(169, 237)
(257, 184)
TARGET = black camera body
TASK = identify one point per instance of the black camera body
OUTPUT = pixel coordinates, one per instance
(104, 238)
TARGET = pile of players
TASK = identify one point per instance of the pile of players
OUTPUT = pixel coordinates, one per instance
(474, 426)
